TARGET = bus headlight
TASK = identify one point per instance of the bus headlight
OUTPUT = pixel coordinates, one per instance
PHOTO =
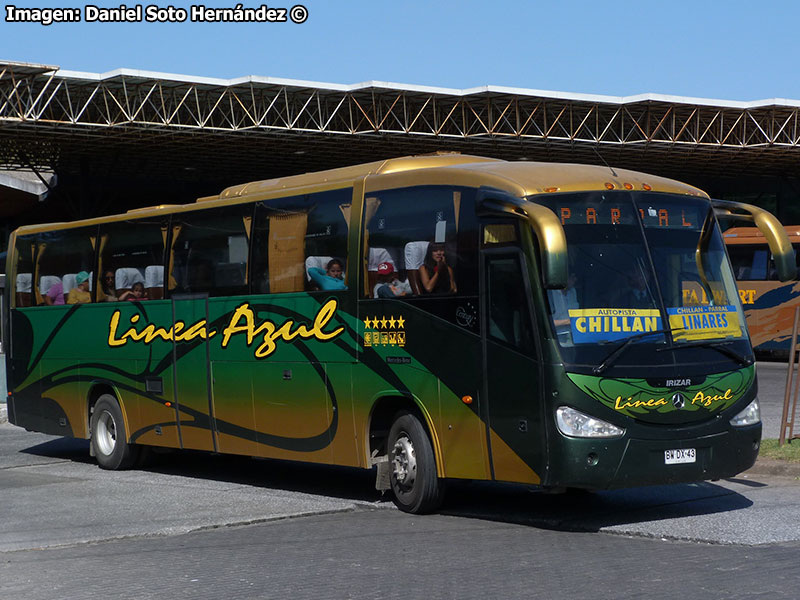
(574, 423)
(749, 416)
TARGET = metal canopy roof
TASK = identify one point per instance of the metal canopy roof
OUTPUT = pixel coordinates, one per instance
(173, 126)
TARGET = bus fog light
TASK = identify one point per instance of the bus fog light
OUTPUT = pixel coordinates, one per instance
(749, 416)
(574, 423)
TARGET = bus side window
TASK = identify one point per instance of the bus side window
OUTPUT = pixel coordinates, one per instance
(131, 252)
(208, 253)
(293, 235)
(419, 241)
(60, 257)
(758, 270)
(23, 284)
(749, 262)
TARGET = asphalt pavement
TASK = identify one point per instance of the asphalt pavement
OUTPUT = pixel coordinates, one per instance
(75, 502)
(387, 555)
(54, 495)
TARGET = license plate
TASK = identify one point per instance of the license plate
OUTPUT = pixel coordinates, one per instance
(681, 456)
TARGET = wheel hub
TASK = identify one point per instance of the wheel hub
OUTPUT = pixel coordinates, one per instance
(404, 461)
(106, 433)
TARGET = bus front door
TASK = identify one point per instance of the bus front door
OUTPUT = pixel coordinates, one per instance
(191, 372)
(512, 372)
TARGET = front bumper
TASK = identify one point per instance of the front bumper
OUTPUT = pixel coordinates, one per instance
(630, 461)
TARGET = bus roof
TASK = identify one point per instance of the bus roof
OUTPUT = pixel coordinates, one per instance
(753, 235)
(520, 178)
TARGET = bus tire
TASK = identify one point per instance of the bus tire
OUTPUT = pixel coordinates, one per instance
(109, 439)
(413, 479)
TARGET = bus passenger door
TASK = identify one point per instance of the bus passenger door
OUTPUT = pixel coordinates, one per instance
(512, 382)
(191, 372)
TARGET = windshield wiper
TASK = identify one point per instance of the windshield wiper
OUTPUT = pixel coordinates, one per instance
(721, 347)
(616, 352)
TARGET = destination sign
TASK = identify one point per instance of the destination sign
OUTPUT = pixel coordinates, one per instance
(704, 322)
(592, 325)
(672, 216)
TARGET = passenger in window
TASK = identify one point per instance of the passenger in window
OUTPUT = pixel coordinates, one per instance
(137, 293)
(332, 278)
(80, 293)
(107, 285)
(389, 283)
(55, 295)
(436, 275)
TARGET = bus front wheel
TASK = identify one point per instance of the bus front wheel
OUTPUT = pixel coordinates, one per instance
(109, 440)
(414, 482)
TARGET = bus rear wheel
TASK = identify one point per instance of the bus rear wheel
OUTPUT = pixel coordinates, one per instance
(413, 479)
(109, 439)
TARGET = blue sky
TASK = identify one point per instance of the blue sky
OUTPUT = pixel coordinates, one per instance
(732, 50)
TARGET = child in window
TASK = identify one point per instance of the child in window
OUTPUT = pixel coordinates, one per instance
(332, 278)
(137, 293)
(389, 284)
(80, 293)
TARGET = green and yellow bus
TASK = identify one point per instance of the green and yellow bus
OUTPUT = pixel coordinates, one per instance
(432, 318)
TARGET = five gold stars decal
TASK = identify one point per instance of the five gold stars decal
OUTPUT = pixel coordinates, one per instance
(383, 323)
(387, 332)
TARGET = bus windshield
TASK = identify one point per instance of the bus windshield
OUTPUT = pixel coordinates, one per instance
(648, 268)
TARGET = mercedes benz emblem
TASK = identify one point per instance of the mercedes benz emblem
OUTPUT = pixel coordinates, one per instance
(678, 400)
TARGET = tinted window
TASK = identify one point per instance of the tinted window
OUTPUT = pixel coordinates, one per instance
(496, 235)
(509, 319)
(63, 259)
(23, 284)
(209, 251)
(425, 236)
(297, 239)
(132, 253)
(749, 262)
(754, 262)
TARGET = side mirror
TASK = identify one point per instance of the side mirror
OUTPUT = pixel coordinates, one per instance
(545, 224)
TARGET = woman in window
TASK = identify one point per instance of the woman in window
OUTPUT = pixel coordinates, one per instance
(436, 275)
(107, 284)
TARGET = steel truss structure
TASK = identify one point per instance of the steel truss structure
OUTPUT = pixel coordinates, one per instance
(51, 118)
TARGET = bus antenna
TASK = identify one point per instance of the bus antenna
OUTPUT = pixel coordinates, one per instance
(603, 160)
